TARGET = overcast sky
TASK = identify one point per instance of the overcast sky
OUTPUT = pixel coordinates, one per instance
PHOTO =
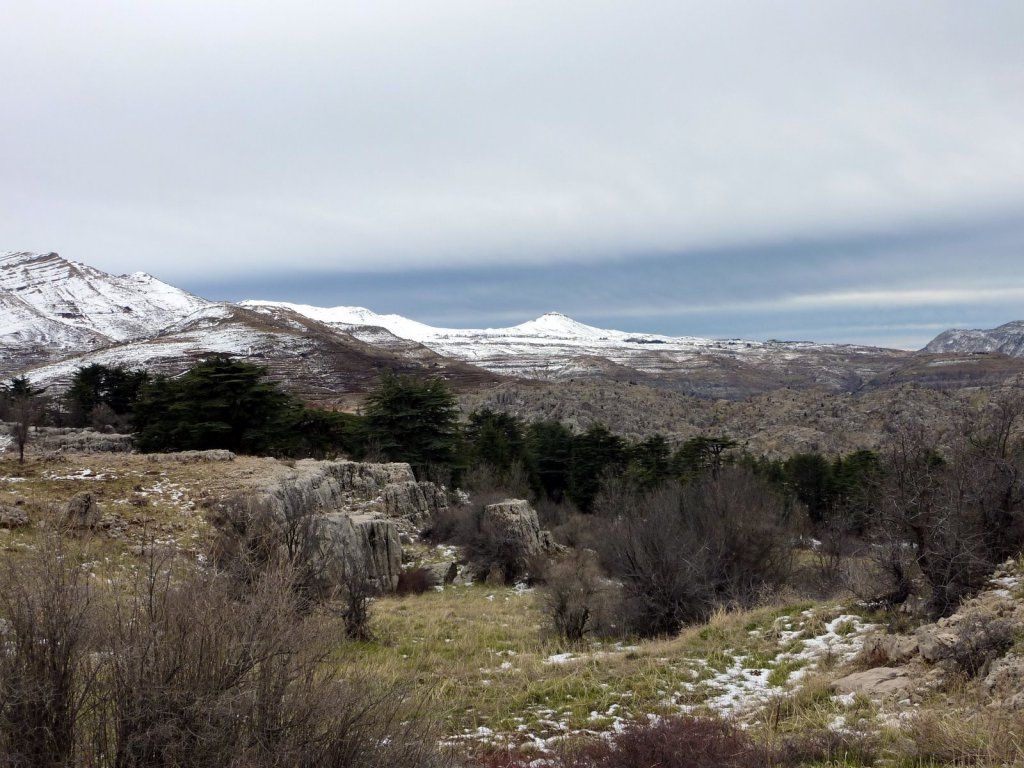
(847, 171)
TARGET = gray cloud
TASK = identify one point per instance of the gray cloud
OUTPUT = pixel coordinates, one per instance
(207, 138)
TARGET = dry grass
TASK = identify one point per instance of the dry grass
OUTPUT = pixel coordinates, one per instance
(483, 655)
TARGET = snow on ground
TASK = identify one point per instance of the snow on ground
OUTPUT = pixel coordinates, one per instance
(550, 345)
(738, 690)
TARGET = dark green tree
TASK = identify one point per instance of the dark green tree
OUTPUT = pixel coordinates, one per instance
(650, 462)
(93, 385)
(593, 453)
(702, 454)
(414, 420)
(550, 445)
(220, 403)
(496, 439)
(809, 477)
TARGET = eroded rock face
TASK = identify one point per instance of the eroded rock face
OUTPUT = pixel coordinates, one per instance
(193, 457)
(876, 683)
(415, 502)
(367, 543)
(515, 521)
(60, 439)
(83, 512)
(12, 517)
(362, 510)
(889, 649)
(1005, 681)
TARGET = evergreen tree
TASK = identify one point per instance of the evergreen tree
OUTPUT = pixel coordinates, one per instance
(220, 403)
(496, 439)
(702, 454)
(414, 420)
(94, 385)
(594, 452)
(549, 444)
(650, 462)
(809, 477)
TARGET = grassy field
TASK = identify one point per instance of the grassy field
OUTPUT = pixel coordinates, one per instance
(481, 657)
(486, 661)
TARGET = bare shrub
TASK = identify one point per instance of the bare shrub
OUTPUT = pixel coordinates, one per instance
(253, 538)
(178, 671)
(357, 592)
(489, 549)
(980, 641)
(577, 598)
(47, 674)
(955, 497)
(681, 551)
(415, 581)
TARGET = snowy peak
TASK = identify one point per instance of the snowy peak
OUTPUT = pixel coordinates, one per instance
(51, 302)
(557, 325)
(1007, 339)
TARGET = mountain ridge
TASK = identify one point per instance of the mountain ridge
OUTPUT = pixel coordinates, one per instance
(57, 314)
(1007, 339)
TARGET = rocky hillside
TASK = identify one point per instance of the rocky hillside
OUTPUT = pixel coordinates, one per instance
(50, 306)
(308, 358)
(775, 423)
(56, 315)
(555, 347)
(1007, 339)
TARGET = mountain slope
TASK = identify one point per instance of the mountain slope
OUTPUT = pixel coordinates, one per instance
(312, 360)
(1007, 339)
(556, 347)
(50, 306)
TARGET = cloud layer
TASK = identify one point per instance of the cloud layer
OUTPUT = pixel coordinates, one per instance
(206, 141)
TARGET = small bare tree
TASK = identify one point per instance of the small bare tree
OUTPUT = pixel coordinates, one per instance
(24, 407)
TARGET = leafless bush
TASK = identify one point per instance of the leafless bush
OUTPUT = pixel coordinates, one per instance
(956, 497)
(252, 538)
(415, 581)
(680, 551)
(178, 671)
(980, 641)
(488, 549)
(357, 592)
(47, 675)
(577, 597)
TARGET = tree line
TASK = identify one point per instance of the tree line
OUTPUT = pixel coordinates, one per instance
(223, 402)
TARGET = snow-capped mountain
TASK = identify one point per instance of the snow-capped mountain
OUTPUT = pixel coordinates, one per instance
(554, 346)
(50, 306)
(57, 315)
(1007, 339)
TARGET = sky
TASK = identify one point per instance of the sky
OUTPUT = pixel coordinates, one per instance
(827, 170)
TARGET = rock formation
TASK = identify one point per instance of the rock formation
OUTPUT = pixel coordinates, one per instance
(359, 512)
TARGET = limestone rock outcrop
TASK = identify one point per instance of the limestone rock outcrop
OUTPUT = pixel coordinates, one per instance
(515, 522)
(12, 517)
(83, 512)
(361, 511)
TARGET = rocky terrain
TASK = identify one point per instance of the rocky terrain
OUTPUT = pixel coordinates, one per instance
(78, 317)
(1007, 339)
(836, 669)
(776, 423)
(51, 307)
(554, 347)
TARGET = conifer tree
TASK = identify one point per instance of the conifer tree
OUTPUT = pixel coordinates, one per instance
(414, 420)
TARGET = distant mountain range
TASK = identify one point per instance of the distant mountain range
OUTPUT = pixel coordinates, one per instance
(56, 315)
(1007, 339)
